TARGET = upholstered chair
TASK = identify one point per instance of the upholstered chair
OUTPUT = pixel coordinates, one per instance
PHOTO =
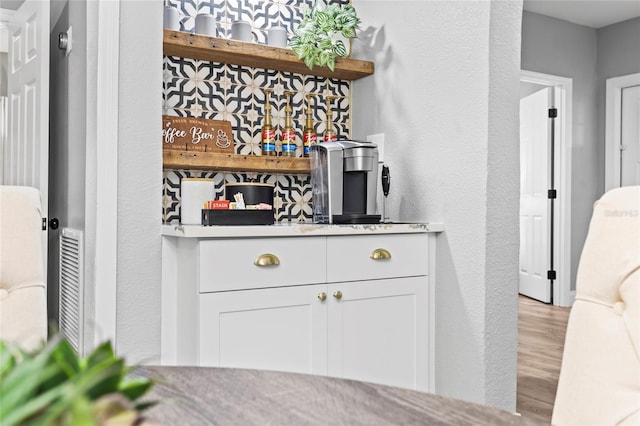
(600, 374)
(23, 297)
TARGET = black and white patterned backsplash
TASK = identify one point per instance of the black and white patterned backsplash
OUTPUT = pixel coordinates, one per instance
(262, 14)
(196, 88)
(291, 195)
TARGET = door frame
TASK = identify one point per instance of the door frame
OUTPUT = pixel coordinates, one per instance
(613, 127)
(105, 199)
(5, 17)
(563, 101)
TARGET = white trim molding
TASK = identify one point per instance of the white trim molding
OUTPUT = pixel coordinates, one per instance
(6, 14)
(563, 98)
(5, 18)
(613, 130)
(106, 168)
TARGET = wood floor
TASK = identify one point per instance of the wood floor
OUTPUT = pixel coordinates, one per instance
(541, 332)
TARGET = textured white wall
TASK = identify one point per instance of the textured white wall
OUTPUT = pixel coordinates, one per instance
(139, 181)
(444, 93)
(503, 206)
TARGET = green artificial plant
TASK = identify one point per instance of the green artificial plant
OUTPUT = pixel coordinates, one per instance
(53, 386)
(324, 33)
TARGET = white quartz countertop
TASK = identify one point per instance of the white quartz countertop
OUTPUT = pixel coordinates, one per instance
(296, 229)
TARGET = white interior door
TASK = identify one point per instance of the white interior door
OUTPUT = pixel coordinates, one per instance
(26, 155)
(630, 137)
(535, 130)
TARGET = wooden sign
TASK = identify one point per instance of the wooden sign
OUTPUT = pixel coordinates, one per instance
(196, 134)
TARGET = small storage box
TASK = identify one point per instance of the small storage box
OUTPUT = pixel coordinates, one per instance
(193, 193)
(237, 217)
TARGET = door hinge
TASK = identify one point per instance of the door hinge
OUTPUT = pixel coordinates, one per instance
(44, 223)
(553, 112)
(622, 147)
(552, 194)
(551, 275)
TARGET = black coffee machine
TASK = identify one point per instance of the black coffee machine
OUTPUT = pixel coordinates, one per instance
(344, 179)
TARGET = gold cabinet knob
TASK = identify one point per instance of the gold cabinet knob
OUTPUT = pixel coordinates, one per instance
(322, 296)
(337, 295)
(380, 254)
(267, 259)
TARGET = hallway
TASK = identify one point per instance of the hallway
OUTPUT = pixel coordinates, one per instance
(541, 332)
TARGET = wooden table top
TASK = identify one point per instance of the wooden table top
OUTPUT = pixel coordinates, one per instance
(226, 396)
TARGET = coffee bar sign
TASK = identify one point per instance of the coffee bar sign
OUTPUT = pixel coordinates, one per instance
(196, 134)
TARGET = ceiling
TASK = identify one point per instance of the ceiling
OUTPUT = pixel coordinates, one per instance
(591, 13)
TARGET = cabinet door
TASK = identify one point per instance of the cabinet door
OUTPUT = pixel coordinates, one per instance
(273, 329)
(378, 332)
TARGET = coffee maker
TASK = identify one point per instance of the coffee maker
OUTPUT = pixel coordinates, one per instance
(344, 181)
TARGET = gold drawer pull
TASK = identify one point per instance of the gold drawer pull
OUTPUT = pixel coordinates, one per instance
(322, 296)
(267, 259)
(380, 254)
(337, 295)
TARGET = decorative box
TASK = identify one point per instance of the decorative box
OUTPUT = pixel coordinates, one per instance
(237, 217)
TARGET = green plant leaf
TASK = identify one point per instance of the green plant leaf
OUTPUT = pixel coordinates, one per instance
(314, 39)
(7, 359)
(81, 413)
(325, 56)
(54, 386)
(105, 377)
(331, 63)
(30, 408)
(308, 61)
(91, 383)
(66, 357)
(100, 354)
(142, 406)
(135, 388)
(22, 381)
(339, 49)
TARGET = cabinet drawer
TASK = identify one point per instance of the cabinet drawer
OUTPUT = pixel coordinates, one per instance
(230, 264)
(352, 258)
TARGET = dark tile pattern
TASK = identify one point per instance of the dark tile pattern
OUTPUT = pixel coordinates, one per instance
(236, 93)
(291, 195)
(293, 198)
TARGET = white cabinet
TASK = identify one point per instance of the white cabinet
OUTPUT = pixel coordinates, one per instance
(273, 329)
(352, 306)
(377, 331)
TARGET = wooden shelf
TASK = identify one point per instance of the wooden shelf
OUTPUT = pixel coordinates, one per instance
(187, 45)
(233, 163)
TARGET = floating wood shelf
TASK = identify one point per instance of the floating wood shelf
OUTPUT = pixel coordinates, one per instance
(172, 159)
(187, 45)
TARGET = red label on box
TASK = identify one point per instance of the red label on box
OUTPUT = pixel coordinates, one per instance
(218, 205)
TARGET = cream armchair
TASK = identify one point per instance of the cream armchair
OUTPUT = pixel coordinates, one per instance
(600, 374)
(23, 297)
